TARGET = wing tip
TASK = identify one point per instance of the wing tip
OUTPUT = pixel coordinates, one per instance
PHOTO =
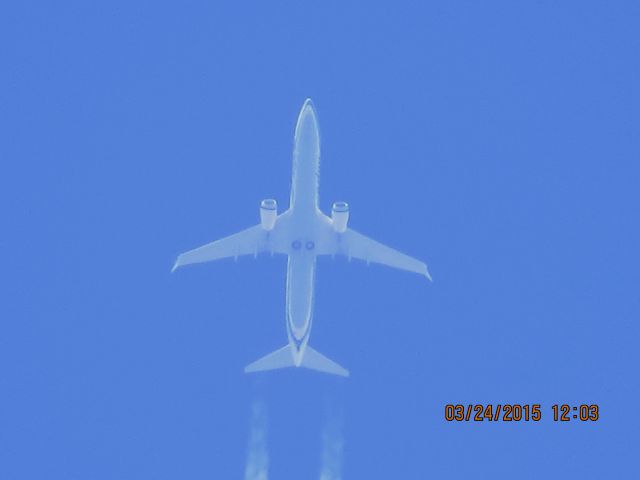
(425, 272)
(175, 265)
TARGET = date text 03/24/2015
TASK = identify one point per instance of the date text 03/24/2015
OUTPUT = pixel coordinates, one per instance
(513, 412)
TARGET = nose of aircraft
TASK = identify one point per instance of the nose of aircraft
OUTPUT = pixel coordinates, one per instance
(307, 112)
(307, 104)
(307, 138)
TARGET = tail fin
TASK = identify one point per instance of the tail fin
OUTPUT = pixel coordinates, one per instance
(283, 358)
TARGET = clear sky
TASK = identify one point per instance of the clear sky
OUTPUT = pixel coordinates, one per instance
(498, 141)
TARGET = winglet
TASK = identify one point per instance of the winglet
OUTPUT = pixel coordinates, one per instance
(427, 274)
(424, 270)
(175, 265)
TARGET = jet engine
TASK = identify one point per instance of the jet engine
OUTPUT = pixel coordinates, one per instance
(340, 216)
(268, 213)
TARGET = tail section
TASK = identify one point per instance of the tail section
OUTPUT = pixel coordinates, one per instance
(316, 361)
(283, 358)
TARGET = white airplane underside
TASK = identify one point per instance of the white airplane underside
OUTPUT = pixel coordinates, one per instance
(302, 233)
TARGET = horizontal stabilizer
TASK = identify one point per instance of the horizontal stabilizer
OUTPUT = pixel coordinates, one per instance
(316, 361)
(283, 358)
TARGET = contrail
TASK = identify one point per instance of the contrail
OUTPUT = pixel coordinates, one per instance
(257, 457)
(332, 446)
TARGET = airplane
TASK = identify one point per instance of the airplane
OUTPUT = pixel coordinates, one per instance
(303, 233)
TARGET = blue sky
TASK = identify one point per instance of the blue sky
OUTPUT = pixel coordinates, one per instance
(498, 141)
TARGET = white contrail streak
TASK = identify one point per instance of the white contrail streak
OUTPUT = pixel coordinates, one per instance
(332, 446)
(257, 456)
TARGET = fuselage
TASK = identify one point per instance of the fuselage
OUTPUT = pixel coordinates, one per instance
(302, 233)
(305, 218)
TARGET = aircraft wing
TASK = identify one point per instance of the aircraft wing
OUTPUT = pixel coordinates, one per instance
(355, 245)
(251, 241)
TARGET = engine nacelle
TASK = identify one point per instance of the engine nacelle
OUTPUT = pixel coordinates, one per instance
(268, 213)
(340, 216)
